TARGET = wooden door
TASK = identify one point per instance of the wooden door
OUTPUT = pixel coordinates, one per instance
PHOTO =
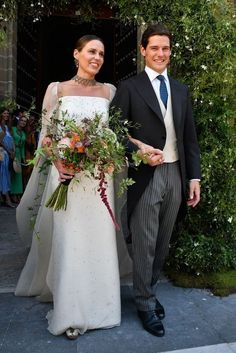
(125, 51)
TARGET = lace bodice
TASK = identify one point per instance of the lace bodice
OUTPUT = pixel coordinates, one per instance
(80, 107)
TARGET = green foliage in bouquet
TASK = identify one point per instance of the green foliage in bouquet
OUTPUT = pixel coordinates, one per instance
(90, 147)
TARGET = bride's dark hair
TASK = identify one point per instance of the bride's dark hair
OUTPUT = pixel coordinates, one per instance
(82, 41)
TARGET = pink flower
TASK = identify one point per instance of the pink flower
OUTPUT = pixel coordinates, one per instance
(64, 142)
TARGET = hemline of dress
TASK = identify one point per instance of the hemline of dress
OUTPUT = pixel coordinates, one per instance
(81, 331)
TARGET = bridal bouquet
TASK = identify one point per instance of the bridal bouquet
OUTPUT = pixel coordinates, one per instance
(92, 147)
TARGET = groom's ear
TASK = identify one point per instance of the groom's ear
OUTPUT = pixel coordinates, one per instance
(142, 51)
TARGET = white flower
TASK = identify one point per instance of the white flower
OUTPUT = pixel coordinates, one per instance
(177, 44)
(110, 134)
(204, 67)
(230, 219)
(208, 47)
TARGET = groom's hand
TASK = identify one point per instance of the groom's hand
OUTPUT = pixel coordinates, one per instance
(194, 193)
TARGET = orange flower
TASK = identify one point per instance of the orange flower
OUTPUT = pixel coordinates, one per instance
(80, 149)
(110, 169)
(75, 139)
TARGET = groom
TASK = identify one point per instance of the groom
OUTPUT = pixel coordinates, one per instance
(167, 140)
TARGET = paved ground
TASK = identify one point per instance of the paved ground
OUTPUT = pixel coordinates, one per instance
(196, 321)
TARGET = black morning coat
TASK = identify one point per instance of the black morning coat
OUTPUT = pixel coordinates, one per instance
(139, 104)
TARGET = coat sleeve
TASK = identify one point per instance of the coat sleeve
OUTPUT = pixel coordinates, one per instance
(191, 147)
(121, 101)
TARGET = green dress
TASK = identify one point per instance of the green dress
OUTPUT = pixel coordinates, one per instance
(16, 180)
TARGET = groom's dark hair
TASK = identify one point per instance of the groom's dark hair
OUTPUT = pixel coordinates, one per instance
(153, 30)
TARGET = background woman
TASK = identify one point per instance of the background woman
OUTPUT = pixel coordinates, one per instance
(7, 154)
(19, 137)
(75, 261)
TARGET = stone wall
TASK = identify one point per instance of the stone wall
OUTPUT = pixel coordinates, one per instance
(8, 63)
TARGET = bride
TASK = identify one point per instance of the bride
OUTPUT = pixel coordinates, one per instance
(73, 256)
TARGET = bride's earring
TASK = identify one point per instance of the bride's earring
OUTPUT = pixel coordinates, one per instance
(76, 62)
(72, 333)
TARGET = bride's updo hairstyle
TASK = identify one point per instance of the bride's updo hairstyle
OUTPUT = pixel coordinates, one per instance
(82, 41)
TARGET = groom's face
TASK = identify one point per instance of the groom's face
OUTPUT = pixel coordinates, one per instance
(157, 53)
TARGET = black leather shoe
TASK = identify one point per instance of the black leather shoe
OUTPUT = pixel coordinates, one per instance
(160, 311)
(151, 322)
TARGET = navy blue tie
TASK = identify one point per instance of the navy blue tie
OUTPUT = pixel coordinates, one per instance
(163, 90)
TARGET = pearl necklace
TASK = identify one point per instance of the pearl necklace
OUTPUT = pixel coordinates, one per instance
(84, 81)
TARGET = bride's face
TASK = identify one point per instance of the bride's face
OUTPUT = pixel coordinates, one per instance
(90, 58)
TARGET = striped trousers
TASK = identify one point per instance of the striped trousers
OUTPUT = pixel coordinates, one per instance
(151, 225)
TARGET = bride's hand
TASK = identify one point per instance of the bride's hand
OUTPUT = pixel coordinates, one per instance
(64, 173)
(150, 155)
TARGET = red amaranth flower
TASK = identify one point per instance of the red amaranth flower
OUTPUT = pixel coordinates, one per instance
(102, 191)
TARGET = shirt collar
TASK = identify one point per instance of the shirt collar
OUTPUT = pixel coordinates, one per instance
(152, 74)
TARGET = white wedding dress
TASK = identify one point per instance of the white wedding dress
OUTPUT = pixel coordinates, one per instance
(73, 256)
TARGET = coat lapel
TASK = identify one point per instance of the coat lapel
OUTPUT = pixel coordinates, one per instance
(145, 89)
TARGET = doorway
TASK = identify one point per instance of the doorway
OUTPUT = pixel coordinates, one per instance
(50, 43)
